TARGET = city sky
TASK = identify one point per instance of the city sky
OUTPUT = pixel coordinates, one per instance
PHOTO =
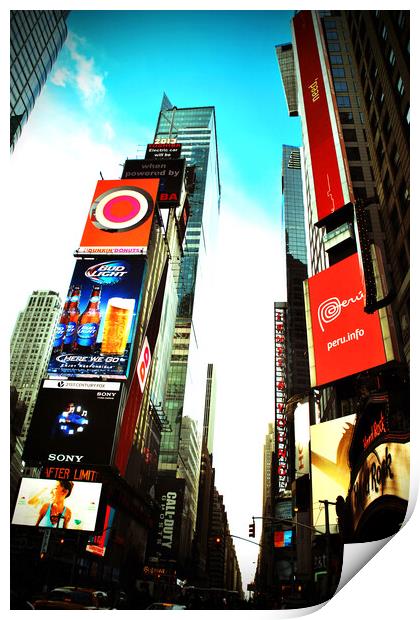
(100, 105)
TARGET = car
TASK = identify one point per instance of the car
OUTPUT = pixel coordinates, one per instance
(166, 606)
(72, 597)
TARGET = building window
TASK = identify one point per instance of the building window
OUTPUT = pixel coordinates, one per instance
(336, 59)
(391, 57)
(333, 47)
(400, 86)
(360, 192)
(340, 86)
(349, 135)
(343, 101)
(356, 173)
(353, 153)
(401, 19)
(346, 118)
(338, 72)
(332, 35)
(330, 24)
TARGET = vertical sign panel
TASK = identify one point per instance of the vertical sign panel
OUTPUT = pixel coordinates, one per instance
(281, 439)
(328, 169)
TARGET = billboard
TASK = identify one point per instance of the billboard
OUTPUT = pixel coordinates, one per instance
(330, 443)
(99, 330)
(331, 185)
(135, 394)
(98, 544)
(170, 497)
(280, 396)
(73, 423)
(120, 217)
(302, 438)
(342, 338)
(57, 504)
(283, 539)
(163, 151)
(385, 471)
(170, 173)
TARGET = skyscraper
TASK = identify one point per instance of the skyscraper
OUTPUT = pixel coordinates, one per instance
(31, 347)
(195, 130)
(36, 37)
(296, 271)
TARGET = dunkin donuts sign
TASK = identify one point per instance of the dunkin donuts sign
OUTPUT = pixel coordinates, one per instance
(342, 338)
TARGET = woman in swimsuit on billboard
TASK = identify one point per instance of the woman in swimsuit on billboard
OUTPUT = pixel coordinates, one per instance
(56, 514)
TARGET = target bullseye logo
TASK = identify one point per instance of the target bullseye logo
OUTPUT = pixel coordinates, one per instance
(121, 209)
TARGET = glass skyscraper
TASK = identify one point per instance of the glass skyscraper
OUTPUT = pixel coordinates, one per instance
(195, 130)
(296, 270)
(36, 37)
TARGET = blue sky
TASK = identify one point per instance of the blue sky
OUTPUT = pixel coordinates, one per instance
(100, 105)
(221, 58)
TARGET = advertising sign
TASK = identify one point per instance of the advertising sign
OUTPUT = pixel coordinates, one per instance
(342, 338)
(331, 183)
(135, 394)
(163, 151)
(170, 173)
(57, 504)
(73, 423)
(385, 472)
(98, 544)
(170, 497)
(120, 217)
(280, 369)
(330, 443)
(283, 539)
(100, 326)
(302, 438)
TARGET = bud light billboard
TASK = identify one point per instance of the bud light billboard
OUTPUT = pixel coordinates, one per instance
(73, 423)
(97, 325)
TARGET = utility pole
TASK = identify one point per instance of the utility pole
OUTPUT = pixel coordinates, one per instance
(327, 536)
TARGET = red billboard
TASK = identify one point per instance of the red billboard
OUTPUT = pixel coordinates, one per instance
(120, 217)
(342, 338)
(331, 182)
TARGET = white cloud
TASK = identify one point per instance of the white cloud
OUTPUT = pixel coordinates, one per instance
(89, 82)
(109, 131)
(61, 77)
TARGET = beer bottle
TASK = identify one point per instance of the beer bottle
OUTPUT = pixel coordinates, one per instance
(88, 323)
(73, 314)
(60, 331)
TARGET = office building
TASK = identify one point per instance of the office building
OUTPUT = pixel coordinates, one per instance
(195, 130)
(296, 271)
(352, 83)
(36, 38)
(31, 344)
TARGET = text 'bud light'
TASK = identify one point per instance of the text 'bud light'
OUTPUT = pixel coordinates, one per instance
(110, 272)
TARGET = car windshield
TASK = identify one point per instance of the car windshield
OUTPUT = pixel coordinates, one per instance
(79, 597)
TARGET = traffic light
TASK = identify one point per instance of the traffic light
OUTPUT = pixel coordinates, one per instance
(252, 530)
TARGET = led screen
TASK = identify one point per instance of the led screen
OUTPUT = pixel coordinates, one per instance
(73, 423)
(59, 504)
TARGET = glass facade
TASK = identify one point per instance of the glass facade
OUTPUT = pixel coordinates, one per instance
(293, 207)
(195, 130)
(36, 37)
(296, 270)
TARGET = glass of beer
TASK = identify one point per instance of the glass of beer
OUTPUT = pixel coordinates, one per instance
(118, 316)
